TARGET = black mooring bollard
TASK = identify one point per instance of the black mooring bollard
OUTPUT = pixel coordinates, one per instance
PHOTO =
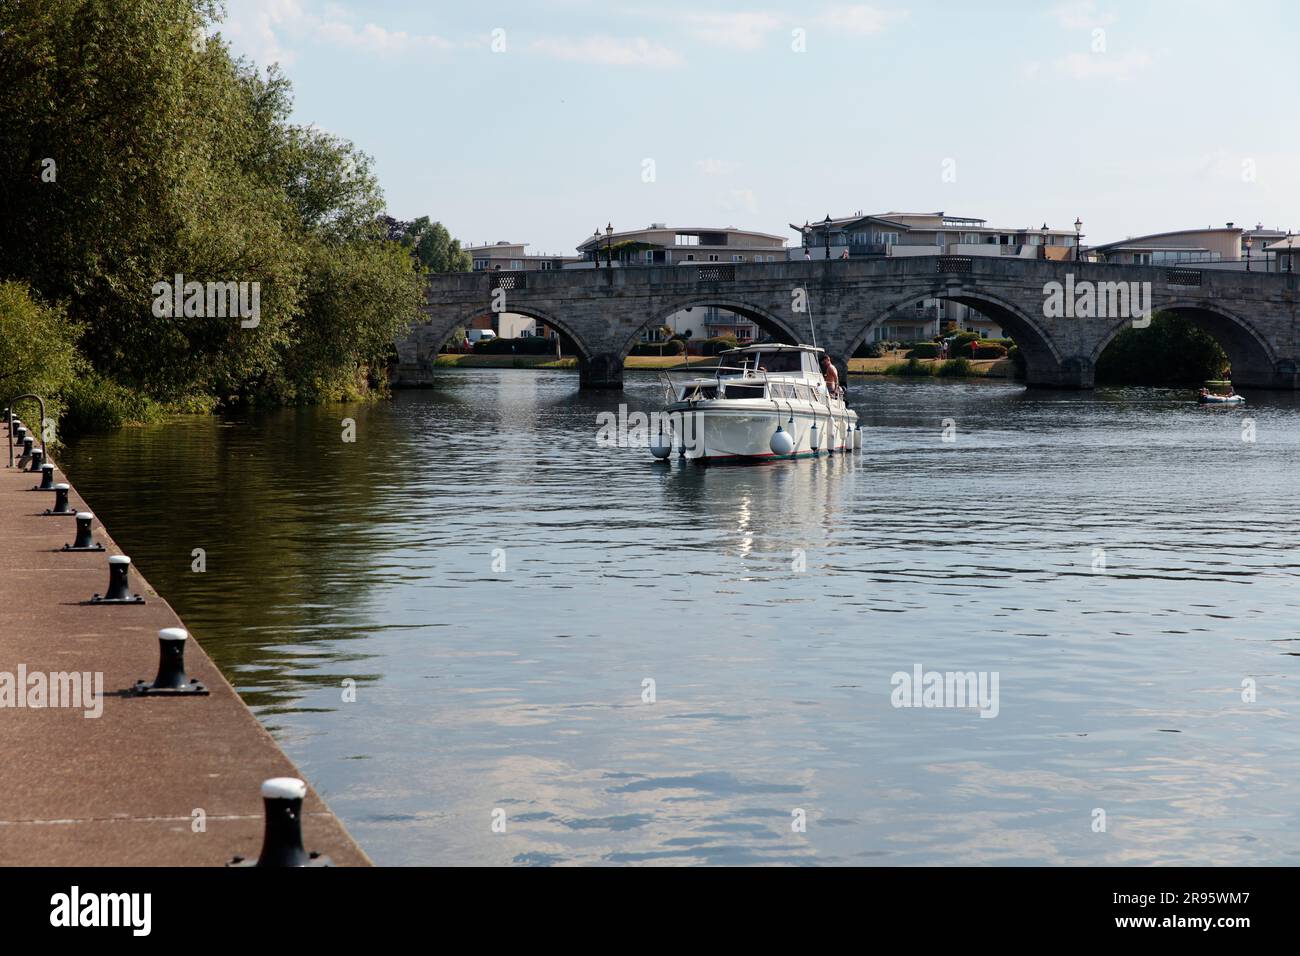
(28, 442)
(282, 839)
(19, 432)
(47, 478)
(119, 568)
(171, 681)
(38, 459)
(61, 504)
(85, 541)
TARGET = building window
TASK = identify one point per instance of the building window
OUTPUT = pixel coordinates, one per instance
(480, 265)
(516, 265)
(690, 257)
(547, 265)
(649, 256)
(713, 257)
(685, 240)
(737, 258)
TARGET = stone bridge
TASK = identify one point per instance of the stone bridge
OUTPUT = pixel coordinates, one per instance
(1251, 314)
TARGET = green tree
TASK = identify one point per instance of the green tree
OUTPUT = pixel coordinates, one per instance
(135, 148)
(433, 246)
(1170, 351)
(38, 344)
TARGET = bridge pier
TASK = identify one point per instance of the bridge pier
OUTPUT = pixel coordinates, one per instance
(602, 370)
(1071, 373)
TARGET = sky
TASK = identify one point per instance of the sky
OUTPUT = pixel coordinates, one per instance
(540, 122)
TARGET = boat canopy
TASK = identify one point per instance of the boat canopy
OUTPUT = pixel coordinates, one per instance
(772, 347)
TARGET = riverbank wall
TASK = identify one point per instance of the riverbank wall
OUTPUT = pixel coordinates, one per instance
(111, 778)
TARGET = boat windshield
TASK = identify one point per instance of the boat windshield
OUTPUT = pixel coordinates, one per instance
(775, 361)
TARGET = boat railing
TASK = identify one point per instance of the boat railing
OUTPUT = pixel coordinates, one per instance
(743, 371)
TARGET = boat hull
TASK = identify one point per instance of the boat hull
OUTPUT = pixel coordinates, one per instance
(711, 432)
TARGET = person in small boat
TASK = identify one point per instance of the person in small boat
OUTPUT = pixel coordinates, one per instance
(831, 375)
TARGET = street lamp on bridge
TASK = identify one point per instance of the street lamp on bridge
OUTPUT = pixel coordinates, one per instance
(609, 245)
(1248, 245)
(1042, 240)
(1078, 239)
(826, 224)
(595, 247)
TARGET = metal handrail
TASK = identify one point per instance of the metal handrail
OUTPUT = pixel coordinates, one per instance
(9, 415)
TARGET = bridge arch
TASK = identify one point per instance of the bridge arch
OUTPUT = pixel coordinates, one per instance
(764, 318)
(435, 332)
(1044, 363)
(1253, 360)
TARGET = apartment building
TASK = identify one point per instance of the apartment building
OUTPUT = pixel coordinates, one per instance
(928, 234)
(513, 257)
(931, 233)
(685, 247)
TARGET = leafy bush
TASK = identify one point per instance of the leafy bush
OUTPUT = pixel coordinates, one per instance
(1017, 357)
(869, 350)
(717, 345)
(986, 350)
(532, 345)
(910, 367)
(672, 347)
(95, 403)
(955, 368)
(38, 343)
(924, 350)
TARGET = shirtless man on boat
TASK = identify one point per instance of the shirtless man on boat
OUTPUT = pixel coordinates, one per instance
(832, 376)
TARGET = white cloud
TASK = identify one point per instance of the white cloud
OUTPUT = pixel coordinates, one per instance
(609, 51)
(375, 39)
(860, 18)
(1103, 66)
(1081, 15)
(751, 29)
(740, 200)
(263, 30)
(743, 30)
(253, 27)
(715, 167)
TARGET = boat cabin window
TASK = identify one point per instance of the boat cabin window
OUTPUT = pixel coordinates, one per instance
(779, 361)
(744, 391)
(696, 393)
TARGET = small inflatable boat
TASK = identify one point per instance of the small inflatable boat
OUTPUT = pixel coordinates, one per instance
(1217, 392)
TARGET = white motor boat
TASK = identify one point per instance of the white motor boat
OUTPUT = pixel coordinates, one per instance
(759, 402)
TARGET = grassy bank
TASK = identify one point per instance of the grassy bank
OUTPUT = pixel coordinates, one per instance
(982, 368)
(893, 365)
(456, 360)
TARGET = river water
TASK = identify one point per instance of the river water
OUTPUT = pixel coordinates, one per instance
(502, 591)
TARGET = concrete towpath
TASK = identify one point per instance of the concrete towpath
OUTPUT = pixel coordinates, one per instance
(131, 786)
